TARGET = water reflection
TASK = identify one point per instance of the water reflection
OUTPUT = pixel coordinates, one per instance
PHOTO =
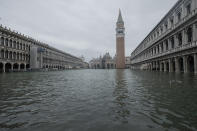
(120, 95)
(169, 100)
(98, 100)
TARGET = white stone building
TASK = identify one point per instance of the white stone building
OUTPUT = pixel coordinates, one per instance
(172, 45)
(19, 53)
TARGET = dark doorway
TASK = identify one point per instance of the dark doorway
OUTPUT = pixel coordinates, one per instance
(22, 66)
(190, 62)
(181, 66)
(15, 67)
(8, 67)
(1, 67)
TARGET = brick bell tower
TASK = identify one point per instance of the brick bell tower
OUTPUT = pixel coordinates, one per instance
(120, 43)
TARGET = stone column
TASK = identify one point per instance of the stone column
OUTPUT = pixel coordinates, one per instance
(12, 66)
(161, 66)
(156, 67)
(177, 66)
(170, 65)
(185, 64)
(195, 63)
(165, 66)
(4, 67)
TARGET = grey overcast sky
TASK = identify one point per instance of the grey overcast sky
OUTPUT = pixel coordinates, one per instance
(83, 27)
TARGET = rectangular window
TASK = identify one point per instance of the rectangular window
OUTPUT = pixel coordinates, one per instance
(166, 44)
(166, 25)
(172, 42)
(180, 39)
(179, 16)
(161, 47)
(188, 8)
(172, 21)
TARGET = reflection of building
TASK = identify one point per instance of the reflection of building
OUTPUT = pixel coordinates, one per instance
(105, 62)
(121, 97)
(19, 52)
(120, 43)
(172, 45)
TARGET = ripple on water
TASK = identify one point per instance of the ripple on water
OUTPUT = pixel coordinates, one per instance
(98, 100)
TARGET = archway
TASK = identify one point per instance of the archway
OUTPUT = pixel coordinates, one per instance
(2, 41)
(112, 66)
(27, 66)
(173, 66)
(22, 66)
(167, 66)
(15, 66)
(17, 56)
(190, 62)
(11, 43)
(6, 54)
(162, 66)
(10, 55)
(2, 54)
(6, 42)
(8, 67)
(1, 67)
(108, 66)
(98, 66)
(181, 65)
(14, 56)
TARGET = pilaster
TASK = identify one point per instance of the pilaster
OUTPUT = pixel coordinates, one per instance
(165, 67)
(4, 67)
(177, 66)
(185, 64)
(184, 37)
(12, 66)
(170, 65)
(160, 66)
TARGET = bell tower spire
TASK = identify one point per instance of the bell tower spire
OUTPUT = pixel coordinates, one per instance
(120, 42)
(120, 17)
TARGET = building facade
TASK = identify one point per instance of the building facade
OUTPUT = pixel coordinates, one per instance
(127, 62)
(120, 43)
(172, 45)
(105, 62)
(19, 53)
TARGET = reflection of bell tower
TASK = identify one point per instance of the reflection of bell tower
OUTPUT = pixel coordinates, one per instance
(120, 43)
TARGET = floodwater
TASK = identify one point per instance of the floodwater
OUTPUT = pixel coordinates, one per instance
(98, 100)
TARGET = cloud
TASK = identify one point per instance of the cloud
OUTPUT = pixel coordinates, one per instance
(83, 27)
